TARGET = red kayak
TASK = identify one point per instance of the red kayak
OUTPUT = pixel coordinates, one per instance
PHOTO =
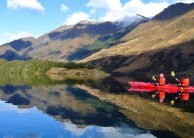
(150, 87)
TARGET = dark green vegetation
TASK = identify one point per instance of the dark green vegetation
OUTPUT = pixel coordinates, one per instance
(36, 66)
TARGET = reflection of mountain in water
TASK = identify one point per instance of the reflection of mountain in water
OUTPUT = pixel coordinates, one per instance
(11, 89)
(23, 121)
(65, 102)
(16, 99)
(102, 113)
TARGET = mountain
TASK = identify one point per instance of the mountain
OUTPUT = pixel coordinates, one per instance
(11, 51)
(165, 43)
(103, 42)
(174, 11)
(62, 42)
(21, 43)
(70, 42)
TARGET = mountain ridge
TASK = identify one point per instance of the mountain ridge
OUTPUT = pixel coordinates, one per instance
(148, 39)
(174, 11)
(64, 41)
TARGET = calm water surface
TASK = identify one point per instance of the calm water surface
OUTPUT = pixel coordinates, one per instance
(37, 107)
(42, 108)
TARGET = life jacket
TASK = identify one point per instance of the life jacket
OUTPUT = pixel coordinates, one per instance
(161, 96)
(161, 80)
(184, 96)
(184, 81)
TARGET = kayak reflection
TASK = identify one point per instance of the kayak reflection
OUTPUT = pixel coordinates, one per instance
(178, 93)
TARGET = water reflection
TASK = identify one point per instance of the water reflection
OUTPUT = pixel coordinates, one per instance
(68, 108)
(60, 110)
(33, 123)
(168, 93)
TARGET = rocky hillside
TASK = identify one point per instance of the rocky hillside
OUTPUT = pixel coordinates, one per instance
(68, 43)
(163, 44)
(62, 42)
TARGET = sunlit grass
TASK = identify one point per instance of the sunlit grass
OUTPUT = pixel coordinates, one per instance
(36, 66)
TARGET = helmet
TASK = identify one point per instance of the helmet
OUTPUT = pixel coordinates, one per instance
(161, 74)
(161, 100)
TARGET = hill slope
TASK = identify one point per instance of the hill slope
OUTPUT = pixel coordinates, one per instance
(68, 43)
(158, 45)
(11, 51)
(62, 42)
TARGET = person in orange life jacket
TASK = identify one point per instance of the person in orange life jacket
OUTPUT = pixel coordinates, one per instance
(161, 95)
(161, 80)
(184, 96)
(184, 82)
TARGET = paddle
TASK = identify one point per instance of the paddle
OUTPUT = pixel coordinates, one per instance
(154, 95)
(173, 74)
(176, 98)
(153, 78)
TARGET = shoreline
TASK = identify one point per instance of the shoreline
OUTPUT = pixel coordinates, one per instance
(78, 74)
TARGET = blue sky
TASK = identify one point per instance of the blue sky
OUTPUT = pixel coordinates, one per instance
(21, 18)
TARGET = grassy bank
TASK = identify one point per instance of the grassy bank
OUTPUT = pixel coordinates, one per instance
(36, 66)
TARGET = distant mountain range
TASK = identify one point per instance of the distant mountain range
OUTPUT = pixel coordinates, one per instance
(68, 42)
(162, 43)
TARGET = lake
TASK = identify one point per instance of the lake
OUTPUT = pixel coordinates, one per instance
(38, 107)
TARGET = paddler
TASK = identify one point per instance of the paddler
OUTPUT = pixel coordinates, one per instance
(184, 96)
(161, 80)
(184, 81)
(161, 96)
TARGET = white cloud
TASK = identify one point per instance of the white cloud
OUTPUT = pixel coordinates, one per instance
(25, 4)
(6, 107)
(149, 9)
(76, 17)
(106, 132)
(185, 1)
(8, 37)
(115, 10)
(64, 8)
(105, 4)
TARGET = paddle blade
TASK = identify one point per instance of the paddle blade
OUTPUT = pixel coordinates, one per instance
(172, 102)
(153, 78)
(172, 73)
